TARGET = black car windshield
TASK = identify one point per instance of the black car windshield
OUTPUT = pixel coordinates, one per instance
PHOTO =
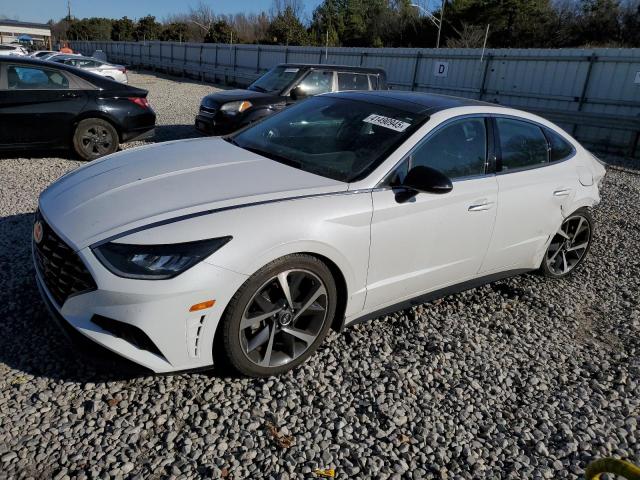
(339, 138)
(275, 80)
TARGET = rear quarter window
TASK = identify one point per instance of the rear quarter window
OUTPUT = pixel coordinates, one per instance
(559, 148)
(352, 81)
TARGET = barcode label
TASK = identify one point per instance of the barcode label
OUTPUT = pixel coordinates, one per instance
(387, 122)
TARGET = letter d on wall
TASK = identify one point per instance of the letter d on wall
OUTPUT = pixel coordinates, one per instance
(441, 69)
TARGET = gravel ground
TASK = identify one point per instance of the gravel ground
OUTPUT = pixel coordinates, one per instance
(525, 378)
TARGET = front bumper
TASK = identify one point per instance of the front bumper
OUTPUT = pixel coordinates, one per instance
(159, 309)
(220, 123)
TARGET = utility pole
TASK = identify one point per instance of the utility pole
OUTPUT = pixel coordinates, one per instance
(432, 18)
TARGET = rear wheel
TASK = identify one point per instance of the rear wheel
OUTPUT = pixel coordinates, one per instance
(279, 316)
(95, 138)
(569, 246)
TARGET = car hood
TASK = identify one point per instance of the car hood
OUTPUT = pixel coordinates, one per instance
(224, 96)
(135, 188)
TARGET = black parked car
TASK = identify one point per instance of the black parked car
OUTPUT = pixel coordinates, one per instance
(226, 111)
(46, 105)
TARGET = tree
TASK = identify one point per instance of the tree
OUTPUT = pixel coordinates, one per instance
(287, 29)
(469, 36)
(600, 22)
(174, 31)
(221, 32)
(93, 28)
(203, 17)
(630, 28)
(147, 29)
(122, 29)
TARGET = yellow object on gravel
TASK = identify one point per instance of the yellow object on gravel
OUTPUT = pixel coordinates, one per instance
(325, 472)
(612, 465)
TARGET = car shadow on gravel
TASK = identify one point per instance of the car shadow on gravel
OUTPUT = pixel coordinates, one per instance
(30, 341)
(165, 133)
(66, 154)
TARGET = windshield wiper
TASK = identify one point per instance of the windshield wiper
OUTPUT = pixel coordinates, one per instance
(258, 88)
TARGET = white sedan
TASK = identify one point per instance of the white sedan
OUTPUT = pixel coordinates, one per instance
(93, 65)
(248, 249)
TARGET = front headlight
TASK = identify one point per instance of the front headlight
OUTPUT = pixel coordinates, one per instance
(155, 262)
(236, 107)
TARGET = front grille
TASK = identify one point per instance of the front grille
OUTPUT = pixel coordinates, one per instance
(208, 110)
(61, 269)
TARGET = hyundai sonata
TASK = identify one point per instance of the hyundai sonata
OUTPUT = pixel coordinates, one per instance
(346, 206)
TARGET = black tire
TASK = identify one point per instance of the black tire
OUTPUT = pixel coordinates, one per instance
(95, 138)
(307, 271)
(553, 265)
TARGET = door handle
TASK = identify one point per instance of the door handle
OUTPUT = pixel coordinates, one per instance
(70, 95)
(562, 192)
(480, 206)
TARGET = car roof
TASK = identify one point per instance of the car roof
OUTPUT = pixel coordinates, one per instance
(415, 102)
(344, 68)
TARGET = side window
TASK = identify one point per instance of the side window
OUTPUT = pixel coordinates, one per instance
(318, 81)
(522, 144)
(34, 78)
(373, 79)
(559, 148)
(352, 81)
(457, 150)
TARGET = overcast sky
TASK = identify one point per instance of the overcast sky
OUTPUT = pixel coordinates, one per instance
(43, 10)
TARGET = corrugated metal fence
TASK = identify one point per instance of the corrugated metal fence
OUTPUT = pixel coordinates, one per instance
(593, 93)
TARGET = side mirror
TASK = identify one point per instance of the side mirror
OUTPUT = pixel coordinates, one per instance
(423, 179)
(297, 93)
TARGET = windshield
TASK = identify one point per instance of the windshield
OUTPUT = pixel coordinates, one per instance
(338, 138)
(275, 80)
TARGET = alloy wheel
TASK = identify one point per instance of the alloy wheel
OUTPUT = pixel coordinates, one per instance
(283, 318)
(569, 245)
(96, 140)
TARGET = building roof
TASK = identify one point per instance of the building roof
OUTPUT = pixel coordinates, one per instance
(18, 23)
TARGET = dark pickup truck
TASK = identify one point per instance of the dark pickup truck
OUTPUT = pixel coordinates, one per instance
(229, 110)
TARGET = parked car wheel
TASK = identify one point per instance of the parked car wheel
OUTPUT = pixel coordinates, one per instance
(569, 246)
(95, 138)
(279, 316)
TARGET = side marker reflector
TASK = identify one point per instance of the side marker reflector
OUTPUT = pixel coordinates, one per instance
(202, 305)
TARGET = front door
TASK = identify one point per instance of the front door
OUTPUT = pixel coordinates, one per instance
(434, 240)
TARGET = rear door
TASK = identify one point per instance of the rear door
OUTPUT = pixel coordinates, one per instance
(532, 193)
(38, 105)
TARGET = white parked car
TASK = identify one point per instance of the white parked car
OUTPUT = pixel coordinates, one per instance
(13, 49)
(93, 65)
(43, 53)
(340, 208)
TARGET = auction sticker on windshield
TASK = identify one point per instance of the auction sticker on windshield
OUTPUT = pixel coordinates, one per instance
(387, 122)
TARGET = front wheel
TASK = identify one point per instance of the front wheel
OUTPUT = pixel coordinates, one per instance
(569, 246)
(95, 138)
(279, 316)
